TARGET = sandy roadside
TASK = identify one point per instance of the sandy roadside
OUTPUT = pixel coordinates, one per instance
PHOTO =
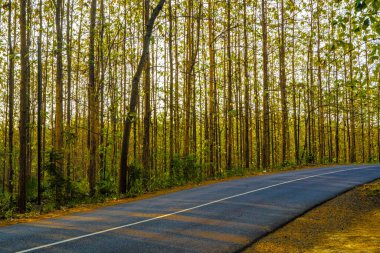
(348, 223)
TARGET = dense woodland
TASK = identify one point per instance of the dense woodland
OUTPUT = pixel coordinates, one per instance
(107, 97)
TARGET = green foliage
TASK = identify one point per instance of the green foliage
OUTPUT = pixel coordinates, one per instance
(185, 169)
(31, 189)
(7, 206)
(55, 179)
(236, 171)
(191, 169)
(79, 189)
(135, 180)
(106, 186)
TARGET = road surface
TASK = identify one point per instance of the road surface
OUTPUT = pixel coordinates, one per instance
(222, 217)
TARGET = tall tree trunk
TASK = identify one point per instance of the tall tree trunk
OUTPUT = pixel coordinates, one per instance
(58, 145)
(188, 76)
(68, 103)
(24, 107)
(230, 115)
(246, 92)
(256, 96)
(321, 116)
(171, 87)
(352, 106)
(93, 104)
(103, 145)
(131, 115)
(295, 120)
(266, 139)
(147, 109)
(211, 91)
(10, 99)
(284, 103)
(39, 110)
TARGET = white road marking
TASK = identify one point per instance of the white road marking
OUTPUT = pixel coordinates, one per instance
(185, 210)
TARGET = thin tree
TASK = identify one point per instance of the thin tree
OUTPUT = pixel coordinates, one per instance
(10, 99)
(266, 130)
(24, 107)
(246, 92)
(131, 115)
(39, 109)
(284, 103)
(93, 104)
(58, 145)
(147, 108)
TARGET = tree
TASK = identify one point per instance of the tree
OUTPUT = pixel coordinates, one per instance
(284, 103)
(39, 110)
(58, 145)
(10, 98)
(147, 109)
(24, 108)
(266, 130)
(131, 115)
(92, 104)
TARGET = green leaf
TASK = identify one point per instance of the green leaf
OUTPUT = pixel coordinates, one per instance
(366, 23)
(360, 5)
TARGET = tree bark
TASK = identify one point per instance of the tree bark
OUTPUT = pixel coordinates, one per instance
(93, 105)
(10, 99)
(266, 139)
(24, 108)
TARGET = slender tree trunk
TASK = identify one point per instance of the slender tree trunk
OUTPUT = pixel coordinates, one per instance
(131, 115)
(58, 145)
(352, 106)
(39, 111)
(256, 96)
(266, 128)
(10, 99)
(295, 120)
(284, 103)
(93, 107)
(211, 91)
(103, 145)
(321, 116)
(246, 92)
(171, 87)
(68, 101)
(230, 115)
(147, 108)
(24, 107)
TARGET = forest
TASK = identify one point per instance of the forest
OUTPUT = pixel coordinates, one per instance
(114, 98)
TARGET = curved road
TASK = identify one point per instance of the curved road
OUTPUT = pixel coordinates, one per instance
(222, 217)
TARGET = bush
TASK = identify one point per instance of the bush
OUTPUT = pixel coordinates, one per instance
(185, 169)
(7, 206)
(191, 170)
(107, 186)
(55, 179)
(79, 189)
(135, 180)
(31, 189)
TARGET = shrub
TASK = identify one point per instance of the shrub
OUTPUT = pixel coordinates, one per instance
(7, 206)
(107, 186)
(55, 179)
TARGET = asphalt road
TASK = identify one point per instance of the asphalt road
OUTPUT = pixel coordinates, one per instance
(222, 217)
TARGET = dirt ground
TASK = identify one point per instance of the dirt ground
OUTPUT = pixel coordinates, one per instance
(348, 223)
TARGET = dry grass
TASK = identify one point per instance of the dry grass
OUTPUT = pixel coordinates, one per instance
(348, 223)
